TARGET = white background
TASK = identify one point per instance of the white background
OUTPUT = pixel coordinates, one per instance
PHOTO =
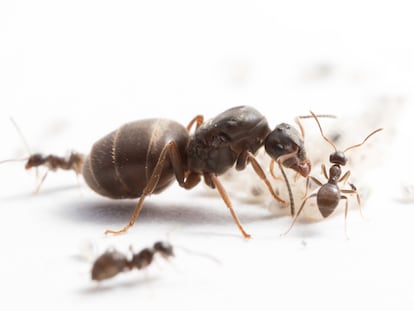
(72, 71)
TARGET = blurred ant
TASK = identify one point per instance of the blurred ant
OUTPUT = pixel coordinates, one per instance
(113, 262)
(73, 162)
(329, 194)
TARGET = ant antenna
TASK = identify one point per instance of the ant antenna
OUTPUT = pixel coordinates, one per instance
(320, 128)
(359, 145)
(298, 118)
(21, 135)
(333, 145)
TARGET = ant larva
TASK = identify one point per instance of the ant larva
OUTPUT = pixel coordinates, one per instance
(329, 194)
(112, 262)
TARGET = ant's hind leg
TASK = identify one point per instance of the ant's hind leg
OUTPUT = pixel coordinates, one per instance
(169, 150)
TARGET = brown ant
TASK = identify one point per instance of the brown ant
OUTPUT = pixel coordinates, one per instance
(329, 194)
(113, 262)
(73, 162)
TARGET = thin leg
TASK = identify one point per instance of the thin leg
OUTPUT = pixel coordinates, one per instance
(315, 180)
(259, 171)
(323, 168)
(345, 177)
(346, 214)
(298, 213)
(40, 182)
(227, 201)
(198, 120)
(352, 191)
(149, 188)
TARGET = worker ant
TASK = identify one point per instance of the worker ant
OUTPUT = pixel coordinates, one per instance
(73, 162)
(329, 194)
(145, 156)
(112, 262)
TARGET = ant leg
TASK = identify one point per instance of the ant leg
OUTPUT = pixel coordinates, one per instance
(298, 213)
(169, 150)
(315, 180)
(198, 120)
(343, 197)
(354, 191)
(40, 183)
(323, 169)
(345, 177)
(227, 201)
(259, 171)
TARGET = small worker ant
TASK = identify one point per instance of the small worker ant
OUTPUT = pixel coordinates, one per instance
(74, 161)
(329, 194)
(113, 262)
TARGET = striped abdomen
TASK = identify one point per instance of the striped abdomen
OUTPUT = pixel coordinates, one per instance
(121, 163)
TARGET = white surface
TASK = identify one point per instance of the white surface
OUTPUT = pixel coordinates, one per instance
(71, 72)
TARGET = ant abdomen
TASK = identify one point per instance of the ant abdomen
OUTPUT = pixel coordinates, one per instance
(328, 199)
(121, 163)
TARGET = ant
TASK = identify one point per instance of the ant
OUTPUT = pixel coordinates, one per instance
(145, 156)
(112, 262)
(73, 162)
(329, 194)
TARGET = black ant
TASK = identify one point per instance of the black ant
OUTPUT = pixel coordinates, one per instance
(113, 262)
(329, 194)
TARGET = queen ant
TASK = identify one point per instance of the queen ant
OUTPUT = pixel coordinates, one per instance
(329, 194)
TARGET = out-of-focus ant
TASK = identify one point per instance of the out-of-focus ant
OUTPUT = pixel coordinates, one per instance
(113, 262)
(329, 194)
(74, 161)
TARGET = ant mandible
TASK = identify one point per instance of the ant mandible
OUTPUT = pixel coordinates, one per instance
(112, 262)
(329, 194)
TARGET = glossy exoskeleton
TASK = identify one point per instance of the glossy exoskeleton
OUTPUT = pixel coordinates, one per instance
(144, 157)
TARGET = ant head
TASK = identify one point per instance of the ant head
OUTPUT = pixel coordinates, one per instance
(285, 144)
(165, 249)
(338, 157)
(34, 160)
